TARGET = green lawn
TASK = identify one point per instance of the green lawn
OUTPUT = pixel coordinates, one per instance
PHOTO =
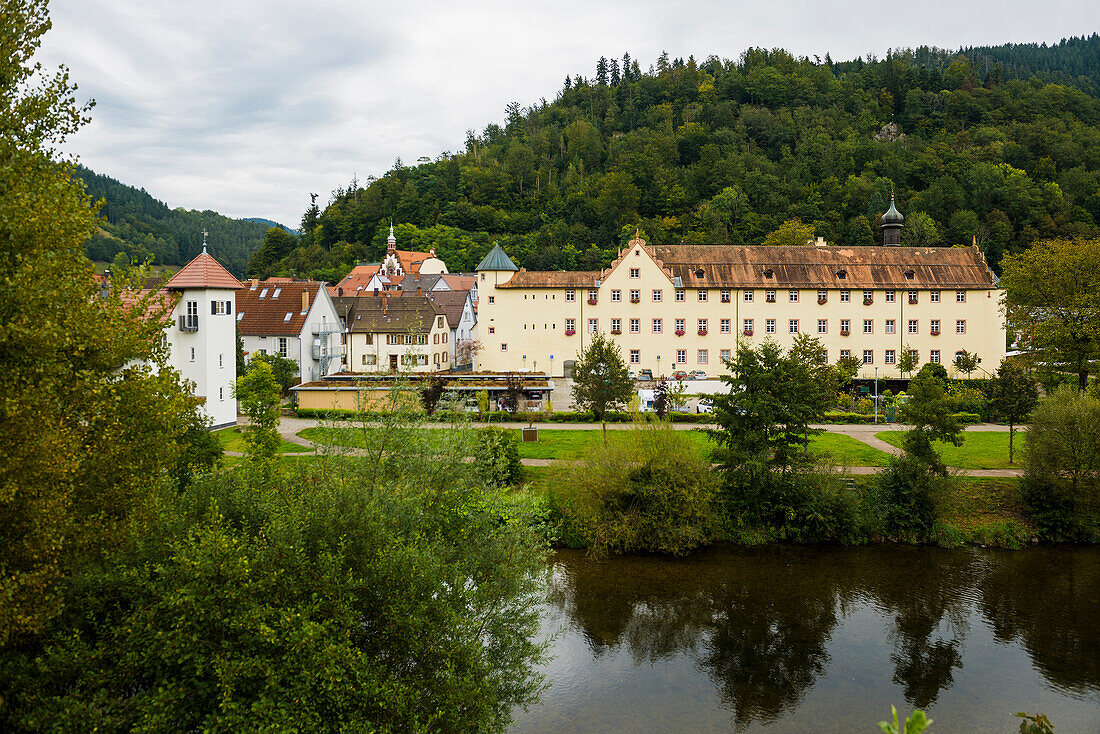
(980, 449)
(559, 443)
(231, 440)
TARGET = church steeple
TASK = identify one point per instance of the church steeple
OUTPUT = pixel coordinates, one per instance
(892, 224)
(391, 242)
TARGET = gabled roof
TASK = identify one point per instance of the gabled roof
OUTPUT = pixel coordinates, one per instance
(459, 282)
(496, 259)
(448, 303)
(202, 272)
(272, 315)
(389, 314)
(553, 279)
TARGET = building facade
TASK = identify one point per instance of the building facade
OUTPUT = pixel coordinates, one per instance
(689, 307)
(295, 319)
(387, 333)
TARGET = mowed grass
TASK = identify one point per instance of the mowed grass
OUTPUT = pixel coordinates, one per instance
(558, 443)
(232, 440)
(979, 450)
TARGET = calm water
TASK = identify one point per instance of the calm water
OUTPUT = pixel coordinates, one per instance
(821, 640)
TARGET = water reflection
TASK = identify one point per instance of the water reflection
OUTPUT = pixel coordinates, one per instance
(759, 623)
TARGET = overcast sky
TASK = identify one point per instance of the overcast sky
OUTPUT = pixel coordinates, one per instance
(247, 106)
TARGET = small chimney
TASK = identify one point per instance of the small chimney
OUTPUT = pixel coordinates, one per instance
(418, 292)
(432, 252)
(305, 300)
(255, 283)
(340, 291)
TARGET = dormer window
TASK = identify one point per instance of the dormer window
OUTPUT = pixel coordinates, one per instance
(769, 273)
(842, 274)
(909, 274)
(700, 273)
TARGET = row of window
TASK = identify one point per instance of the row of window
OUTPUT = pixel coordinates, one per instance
(793, 326)
(793, 295)
(412, 360)
(702, 356)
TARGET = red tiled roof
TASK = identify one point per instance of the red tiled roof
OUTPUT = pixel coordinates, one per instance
(267, 316)
(202, 272)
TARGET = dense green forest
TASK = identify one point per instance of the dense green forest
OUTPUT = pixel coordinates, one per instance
(134, 223)
(999, 145)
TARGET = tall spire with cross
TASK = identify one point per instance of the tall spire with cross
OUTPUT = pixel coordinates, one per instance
(204, 233)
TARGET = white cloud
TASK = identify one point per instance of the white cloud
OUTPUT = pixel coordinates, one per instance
(246, 107)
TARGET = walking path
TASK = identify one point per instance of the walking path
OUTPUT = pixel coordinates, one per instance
(863, 432)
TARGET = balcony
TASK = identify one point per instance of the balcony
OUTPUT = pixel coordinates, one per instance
(189, 322)
(570, 332)
(679, 332)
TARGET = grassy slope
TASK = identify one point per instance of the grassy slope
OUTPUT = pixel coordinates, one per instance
(232, 440)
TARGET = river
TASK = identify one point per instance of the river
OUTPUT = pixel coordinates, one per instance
(791, 639)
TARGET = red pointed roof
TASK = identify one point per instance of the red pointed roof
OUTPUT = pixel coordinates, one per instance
(202, 272)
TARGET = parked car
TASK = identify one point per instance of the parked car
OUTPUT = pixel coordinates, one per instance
(679, 375)
(704, 406)
(697, 375)
(645, 374)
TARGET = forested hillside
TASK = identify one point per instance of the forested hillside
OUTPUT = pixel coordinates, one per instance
(1002, 150)
(134, 223)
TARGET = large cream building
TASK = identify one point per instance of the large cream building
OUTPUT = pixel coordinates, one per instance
(687, 307)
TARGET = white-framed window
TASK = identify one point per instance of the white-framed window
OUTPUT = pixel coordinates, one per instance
(769, 326)
(702, 295)
(792, 326)
(889, 359)
(635, 273)
(822, 295)
(702, 325)
(570, 295)
(792, 296)
(868, 326)
(570, 325)
(824, 356)
(748, 296)
(934, 356)
(679, 295)
(616, 296)
(868, 356)
(593, 326)
(277, 292)
(934, 325)
(915, 354)
(914, 326)
(656, 295)
(868, 295)
(769, 296)
(748, 325)
(822, 326)
(593, 294)
(912, 296)
(845, 326)
(724, 355)
(681, 356)
(635, 296)
(656, 326)
(845, 296)
(890, 326)
(219, 308)
(616, 324)
(934, 296)
(370, 359)
(725, 294)
(635, 356)
(681, 325)
(960, 296)
(891, 296)
(282, 346)
(960, 326)
(702, 356)
(845, 353)
(635, 326)
(724, 326)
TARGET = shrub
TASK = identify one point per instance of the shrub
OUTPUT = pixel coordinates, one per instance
(905, 493)
(647, 490)
(497, 459)
(1061, 485)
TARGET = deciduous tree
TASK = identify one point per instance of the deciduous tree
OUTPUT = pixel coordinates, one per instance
(601, 380)
(1014, 396)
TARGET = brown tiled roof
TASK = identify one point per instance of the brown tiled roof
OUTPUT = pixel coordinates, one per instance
(553, 279)
(387, 314)
(358, 277)
(411, 260)
(448, 303)
(267, 316)
(459, 282)
(746, 266)
(156, 302)
(202, 272)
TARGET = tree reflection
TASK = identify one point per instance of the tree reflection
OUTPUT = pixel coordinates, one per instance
(1049, 600)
